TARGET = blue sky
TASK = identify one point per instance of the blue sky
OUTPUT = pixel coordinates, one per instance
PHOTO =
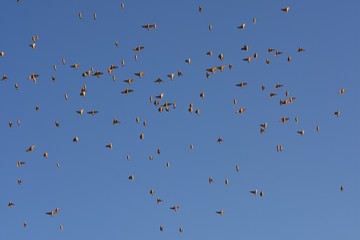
(301, 184)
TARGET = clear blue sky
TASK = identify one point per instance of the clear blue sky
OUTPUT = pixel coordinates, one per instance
(301, 184)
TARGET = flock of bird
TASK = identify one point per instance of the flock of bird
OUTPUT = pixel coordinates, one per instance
(161, 105)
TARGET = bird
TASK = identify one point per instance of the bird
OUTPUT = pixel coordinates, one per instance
(188, 60)
(171, 76)
(122, 5)
(80, 15)
(131, 177)
(301, 132)
(161, 228)
(152, 191)
(46, 154)
(115, 121)
(261, 194)
(149, 26)
(221, 56)
(129, 80)
(75, 139)
(127, 91)
(109, 146)
(318, 128)
(175, 208)
(219, 140)
(200, 9)
(138, 48)
(337, 113)
(76, 65)
(342, 188)
(254, 192)
(245, 48)
(279, 148)
(160, 96)
(94, 16)
(342, 91)
(93, 112)
(237, 168)
(241, 110)
(242, 84)
(209, 53)
(139, 74)
(211, 180)
(158, 80)
(32, 45)
(19, 163)
(181, 230)
(61, 227)
(19, 181)
(226, 181)
(30, 149)
(2, 54)
(11, 204)
(286, 9)
(242, 26)
(142, 136)
(97, 74)
(254, 20)
(53, 212)
(300, 49)
(284, 119)
(80, 112)
(221, 212)
(25, 225)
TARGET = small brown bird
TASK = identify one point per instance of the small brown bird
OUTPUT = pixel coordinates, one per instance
(19, 164)
(317, 128)
(300, 49)
(181, 230)
(61, 227)
(279, 148)
(245, 48)
(80, 15)
(342, 91)
(109, 146)
(285, 9)
(30, 149)
(202, 95)
(76, 139)
(2, 54)
(242, 26)
(267, 61)
(11, 204)
(122, 5)
(175, 208)
(242, 84)
(129, 80)
(76, 65)
(149, 26)
(81, 111)
(159, 200)
(337, 113)
(254, 20)
(138, 48)
(53, 212)
(19, 181)
(94, 16)
(142, 136)
(188, 60)
(254, 192)
(127, 91)
(219, 140)
(152, 191)
(284, 119)
(221, 212)
(221, 56)
(248, 59)
(46, 154)
(241, 110)
(342, 188)
(209, 53)
(115, 121)
(97, 74)
(25, 225)
(211, 180)
(93, 112)
(261, 194)
(226, 181)
(289, 59)
(160, 96)
(301, 132)
(139, 74)
(161, 228)
(200, 9)
(131, 177)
